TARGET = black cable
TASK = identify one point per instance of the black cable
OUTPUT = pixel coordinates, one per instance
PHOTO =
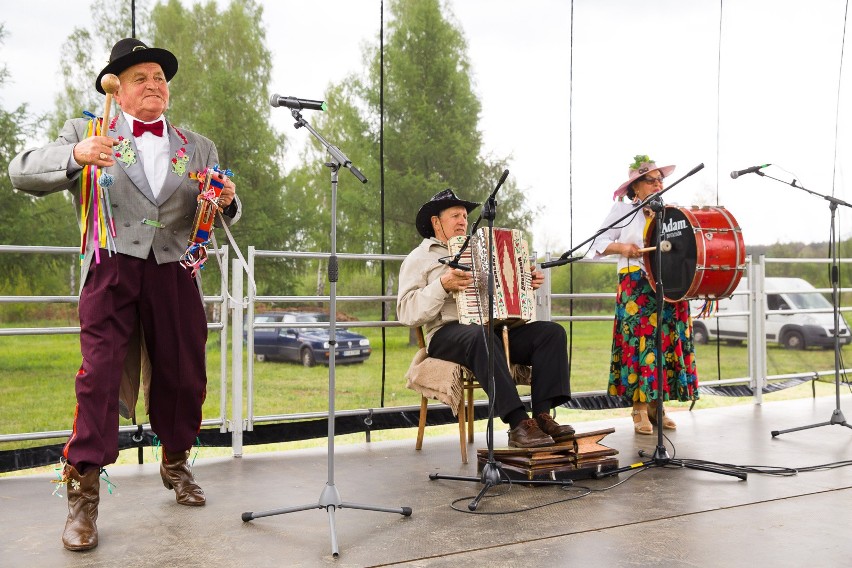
(826, 466)
(382, 190)
(779, 471)
(585, 491)
(570, 196)
(719, 94)
(770, 470)
(837, 108)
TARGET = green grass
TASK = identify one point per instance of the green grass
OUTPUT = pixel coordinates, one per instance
(37, 384)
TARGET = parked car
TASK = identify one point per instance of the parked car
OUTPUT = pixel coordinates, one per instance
(793, 331)
(309, 345)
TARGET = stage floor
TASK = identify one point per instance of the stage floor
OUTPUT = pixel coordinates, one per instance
(652, 517)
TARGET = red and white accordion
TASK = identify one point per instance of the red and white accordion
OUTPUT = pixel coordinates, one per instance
(514, 297)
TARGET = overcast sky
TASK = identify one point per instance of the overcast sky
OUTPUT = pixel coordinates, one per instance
(668, 78)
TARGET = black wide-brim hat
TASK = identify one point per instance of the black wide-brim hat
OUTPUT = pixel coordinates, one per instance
(129, 51)
(440, 201)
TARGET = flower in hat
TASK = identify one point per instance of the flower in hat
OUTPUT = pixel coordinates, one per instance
(642, 164)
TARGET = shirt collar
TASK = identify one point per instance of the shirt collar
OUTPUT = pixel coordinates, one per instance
(130, 118)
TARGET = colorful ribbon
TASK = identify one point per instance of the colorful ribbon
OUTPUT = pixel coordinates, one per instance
(95, 206)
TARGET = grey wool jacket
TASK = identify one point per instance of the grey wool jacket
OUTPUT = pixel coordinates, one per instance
(169, 216)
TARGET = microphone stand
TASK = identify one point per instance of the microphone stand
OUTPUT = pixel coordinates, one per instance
(660, 457)
(492, 472)
(837, 417)
(330, 497)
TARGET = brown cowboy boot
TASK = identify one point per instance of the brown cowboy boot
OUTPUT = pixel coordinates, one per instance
(81, 530)
(176, 475)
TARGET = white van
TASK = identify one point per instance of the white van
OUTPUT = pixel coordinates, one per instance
(793, 331)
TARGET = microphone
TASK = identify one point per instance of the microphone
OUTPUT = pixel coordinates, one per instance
(296, 103)
(502, 178)
(751, 170)
(697, 169)
(455, 264)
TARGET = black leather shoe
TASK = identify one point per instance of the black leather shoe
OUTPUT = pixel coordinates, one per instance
(552, 428)
(527, 434)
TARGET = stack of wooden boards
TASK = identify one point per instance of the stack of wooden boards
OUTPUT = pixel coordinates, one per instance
(577, 458)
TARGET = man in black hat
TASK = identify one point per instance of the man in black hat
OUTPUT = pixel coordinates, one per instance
(153, 203)
(426, 299)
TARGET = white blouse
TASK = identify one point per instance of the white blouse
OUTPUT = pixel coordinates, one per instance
(630, 230)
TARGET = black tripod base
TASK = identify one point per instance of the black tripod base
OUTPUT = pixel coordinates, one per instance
(493, 475)
(330, 501)
(837, 419)
(661, 459)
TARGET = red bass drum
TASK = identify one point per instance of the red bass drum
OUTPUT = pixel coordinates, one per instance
(707, 256)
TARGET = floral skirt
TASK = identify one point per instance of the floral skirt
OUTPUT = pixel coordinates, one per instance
(633, 367)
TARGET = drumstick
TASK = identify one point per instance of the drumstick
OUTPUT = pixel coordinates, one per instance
(665, 246)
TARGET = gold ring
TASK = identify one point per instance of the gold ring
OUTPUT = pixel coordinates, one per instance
(102, 156)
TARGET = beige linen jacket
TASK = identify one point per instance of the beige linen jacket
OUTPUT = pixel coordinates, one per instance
(422, 300)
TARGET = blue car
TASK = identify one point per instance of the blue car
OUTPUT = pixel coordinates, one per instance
(309, 345)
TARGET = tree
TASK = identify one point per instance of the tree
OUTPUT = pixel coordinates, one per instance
(25, 220)
(219, 91)
(50, 220)
(79, 68)
(431, 136)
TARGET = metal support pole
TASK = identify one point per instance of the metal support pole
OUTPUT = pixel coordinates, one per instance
(237, 360)
(757, 328)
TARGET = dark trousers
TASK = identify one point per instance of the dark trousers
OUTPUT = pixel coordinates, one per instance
(119, 293)
(541, 344)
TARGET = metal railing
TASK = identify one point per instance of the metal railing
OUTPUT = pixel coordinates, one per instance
(220, 327)
(240, 307)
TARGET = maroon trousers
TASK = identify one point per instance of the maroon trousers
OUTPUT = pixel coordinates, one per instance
(120, 292)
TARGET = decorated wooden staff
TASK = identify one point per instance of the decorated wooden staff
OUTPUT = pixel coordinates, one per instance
(211, 181)
(94, 191)
(110, 84)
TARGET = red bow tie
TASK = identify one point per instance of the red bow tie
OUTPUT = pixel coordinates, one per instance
(155, 128)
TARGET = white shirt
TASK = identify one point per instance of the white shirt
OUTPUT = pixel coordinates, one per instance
(153, 152)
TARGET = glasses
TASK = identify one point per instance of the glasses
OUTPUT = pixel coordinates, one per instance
(652, 180)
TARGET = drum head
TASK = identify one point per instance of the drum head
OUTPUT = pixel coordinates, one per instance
(678, 265)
